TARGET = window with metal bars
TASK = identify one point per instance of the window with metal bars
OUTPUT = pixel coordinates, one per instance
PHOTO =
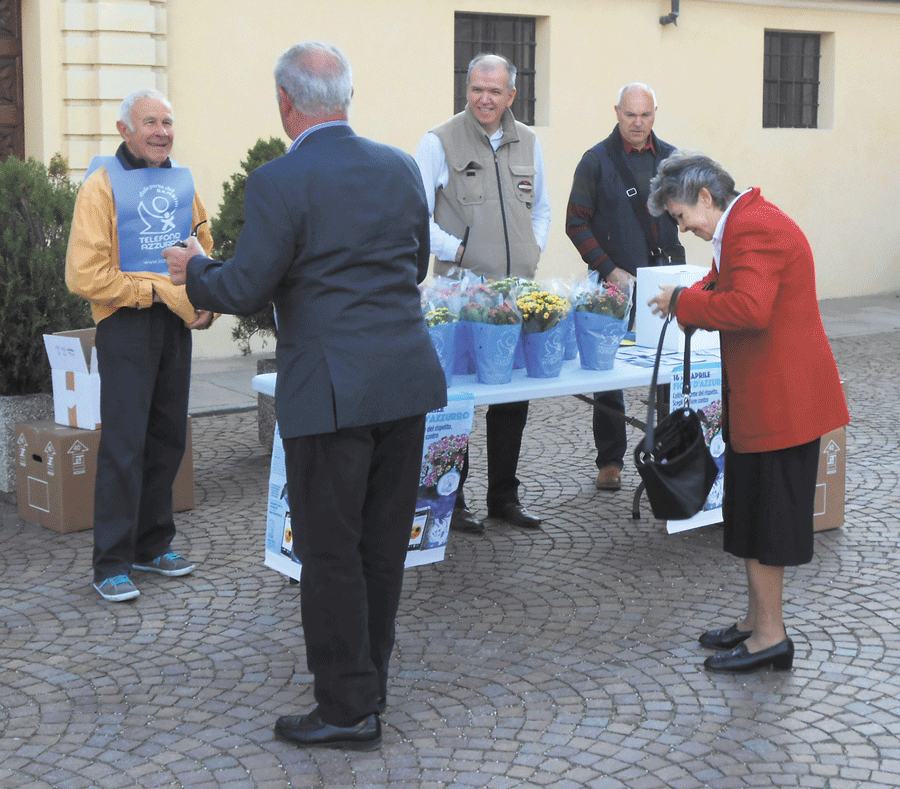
(513, 37)
(791, 80)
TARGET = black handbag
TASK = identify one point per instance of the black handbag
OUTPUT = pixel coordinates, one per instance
(673, 460)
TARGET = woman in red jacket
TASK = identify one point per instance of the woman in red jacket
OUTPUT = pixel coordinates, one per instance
(781, 387)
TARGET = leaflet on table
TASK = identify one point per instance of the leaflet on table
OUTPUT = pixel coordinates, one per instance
(706, 399)
(446, 437)
(646, 357)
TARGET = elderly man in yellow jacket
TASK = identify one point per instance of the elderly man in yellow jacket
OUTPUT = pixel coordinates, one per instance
(130, 207)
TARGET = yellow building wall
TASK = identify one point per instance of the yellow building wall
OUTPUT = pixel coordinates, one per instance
(215, 60)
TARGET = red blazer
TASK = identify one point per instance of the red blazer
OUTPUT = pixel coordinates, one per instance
(780, 382)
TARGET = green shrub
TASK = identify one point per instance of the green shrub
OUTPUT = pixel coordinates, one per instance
(226, 228)
(36, 209)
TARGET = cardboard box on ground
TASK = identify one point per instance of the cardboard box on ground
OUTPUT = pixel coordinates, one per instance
(56, 462)
(831, 481)
(56, 467)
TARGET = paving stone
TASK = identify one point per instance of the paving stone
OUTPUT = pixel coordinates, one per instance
(561, 658)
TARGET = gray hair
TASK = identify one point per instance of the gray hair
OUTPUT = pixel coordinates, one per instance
(683, 175)
(132, 98)
(636, 86)
(316, 78)
(489, 62)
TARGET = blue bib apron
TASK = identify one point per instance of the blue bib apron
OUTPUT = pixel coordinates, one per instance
(154, 209)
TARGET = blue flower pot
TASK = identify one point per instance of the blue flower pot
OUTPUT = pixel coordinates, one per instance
(570, 348)
(465, 355)
(599, 338)
(544, 352)
(495, 351)
(443, 337)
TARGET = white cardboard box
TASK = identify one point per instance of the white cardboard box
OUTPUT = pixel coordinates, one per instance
(76, 378)
(647, 325)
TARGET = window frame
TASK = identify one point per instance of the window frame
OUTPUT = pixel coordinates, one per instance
(792, 79)
(510, 35)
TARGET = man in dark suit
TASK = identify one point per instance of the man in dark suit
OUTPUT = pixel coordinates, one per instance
(336, 233)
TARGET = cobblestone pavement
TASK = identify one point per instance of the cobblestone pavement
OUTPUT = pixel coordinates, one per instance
(564, 658)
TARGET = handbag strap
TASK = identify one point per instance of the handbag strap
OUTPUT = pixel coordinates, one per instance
(685, 384)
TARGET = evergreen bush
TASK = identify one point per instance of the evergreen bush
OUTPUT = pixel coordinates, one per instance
(226, 228)
(36, 207)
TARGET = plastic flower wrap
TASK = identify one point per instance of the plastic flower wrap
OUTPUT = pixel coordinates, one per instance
(513, 286)
(440, 307)
(438, 316)
(602, 298)
(484, 304)
(542, 310)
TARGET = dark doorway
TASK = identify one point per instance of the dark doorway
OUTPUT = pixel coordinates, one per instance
(12, 99)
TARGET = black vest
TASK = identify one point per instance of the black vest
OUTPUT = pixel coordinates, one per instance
(614, 222)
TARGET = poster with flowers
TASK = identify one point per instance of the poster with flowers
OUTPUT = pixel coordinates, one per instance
(706, 400)
(446, 437)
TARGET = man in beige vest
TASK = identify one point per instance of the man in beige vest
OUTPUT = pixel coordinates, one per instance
(484, 179)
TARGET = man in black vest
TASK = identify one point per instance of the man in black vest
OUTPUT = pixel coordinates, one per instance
(610, 226)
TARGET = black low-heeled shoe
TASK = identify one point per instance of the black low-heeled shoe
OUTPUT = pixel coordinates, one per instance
(740, 661)
(724, 638)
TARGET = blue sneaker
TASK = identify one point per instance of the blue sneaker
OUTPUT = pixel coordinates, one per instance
(117, 589)
(167, 564)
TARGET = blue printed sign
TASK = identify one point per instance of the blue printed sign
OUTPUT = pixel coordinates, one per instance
(154, 208)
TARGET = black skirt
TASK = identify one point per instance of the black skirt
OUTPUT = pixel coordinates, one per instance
(768, 504)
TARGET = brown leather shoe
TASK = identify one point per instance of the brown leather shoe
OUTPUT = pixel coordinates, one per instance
(463, 519)
(609, 478)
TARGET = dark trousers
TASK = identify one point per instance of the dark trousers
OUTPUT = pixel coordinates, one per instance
(144, 357)
(609, 429)
(352, 496)
(504, 425)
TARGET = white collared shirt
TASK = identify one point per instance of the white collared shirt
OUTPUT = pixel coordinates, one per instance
(720, 228)
(311, 129)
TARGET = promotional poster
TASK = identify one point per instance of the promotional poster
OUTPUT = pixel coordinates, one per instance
(446, 437)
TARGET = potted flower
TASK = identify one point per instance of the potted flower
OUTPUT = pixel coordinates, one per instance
(511, 288)
(495, 325)
(543, 331)
(601, 320)
(441, 324)
(440, 308)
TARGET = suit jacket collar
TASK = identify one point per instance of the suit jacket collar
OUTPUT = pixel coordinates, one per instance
(324, 131)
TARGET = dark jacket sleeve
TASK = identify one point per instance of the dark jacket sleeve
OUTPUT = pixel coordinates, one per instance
(265, 250)
(580, 216)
